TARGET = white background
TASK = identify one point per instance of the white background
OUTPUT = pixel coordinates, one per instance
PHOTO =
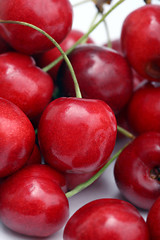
(105, 186)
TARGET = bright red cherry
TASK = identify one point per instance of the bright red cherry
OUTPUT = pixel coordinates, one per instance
(43, 171)
(101, 73)
(153, 220)
(17, 138)
(144, 109)
(33, 206)
(77, 135)
(106, 219)
(24, 84)
(137, 170)
(54, 17)
(141, 42)
(47, 57)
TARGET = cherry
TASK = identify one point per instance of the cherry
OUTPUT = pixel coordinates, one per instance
(101, 74)
(106, 219)
(34, 206)
(144, 109)
(137, 170)
(35, 156)
(47, 57)
(51, 16)
(153, 220)
(77, 135)
(24, 84)
(43, 171)
(141, 42)
(17, 138)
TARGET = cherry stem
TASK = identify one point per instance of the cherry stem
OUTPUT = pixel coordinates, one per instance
(92, 23)
(84, 185)
(81, 2)
(125, 132)
(109, 43)
(52, 64)
(64, 56)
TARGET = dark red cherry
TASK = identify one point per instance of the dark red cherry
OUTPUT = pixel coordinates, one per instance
(35, 156)
(52, 16)
(33, 206)
(4, 46)
(140, 41)
(47, 57)
(144, 109)
(17, 138)
(137, 170)
(153, 220)
(77, 135)
(101, 73)
(24, 84)
(106, 219)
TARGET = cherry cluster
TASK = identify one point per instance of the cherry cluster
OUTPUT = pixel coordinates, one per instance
(62, 110)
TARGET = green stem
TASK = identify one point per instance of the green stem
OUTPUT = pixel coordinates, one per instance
(84, 185)
(109, 43)
(81, 2)
(77, 90)
(125, 132)
(48, 67)
(92, 23)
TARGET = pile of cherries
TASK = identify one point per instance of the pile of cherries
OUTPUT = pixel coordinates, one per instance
(52, 139)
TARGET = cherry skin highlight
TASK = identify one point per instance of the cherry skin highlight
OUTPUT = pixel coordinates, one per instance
(17, 138)
(47, 57)
(101, 73)
(24, 84)
(106, 219)
(143, 111)
(153, 220)
(140, 41)
(77, 135)
(33, 206)
(136, 170)
(49, 15)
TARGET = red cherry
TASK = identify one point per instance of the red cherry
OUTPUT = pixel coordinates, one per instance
(141, 42)
(35, 156)
(49, 15)
(32, 206)
(101, 74)
(136, 170)
(49, 56)
(77, 135)
(144, 109)
(153, 220)
(43, 171)
(106, 219)
(24, 84)
(17, 138)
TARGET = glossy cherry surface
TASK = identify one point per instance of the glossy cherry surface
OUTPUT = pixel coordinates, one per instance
(49, 56)
(101, 73)
(17, 138)
(32, 206)
(24, 84)
(153, 220)
(77, 135)
(144, 109)
(38, 170)
(49, 15)
(141, 42)
(136, 170)
(106, 219)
